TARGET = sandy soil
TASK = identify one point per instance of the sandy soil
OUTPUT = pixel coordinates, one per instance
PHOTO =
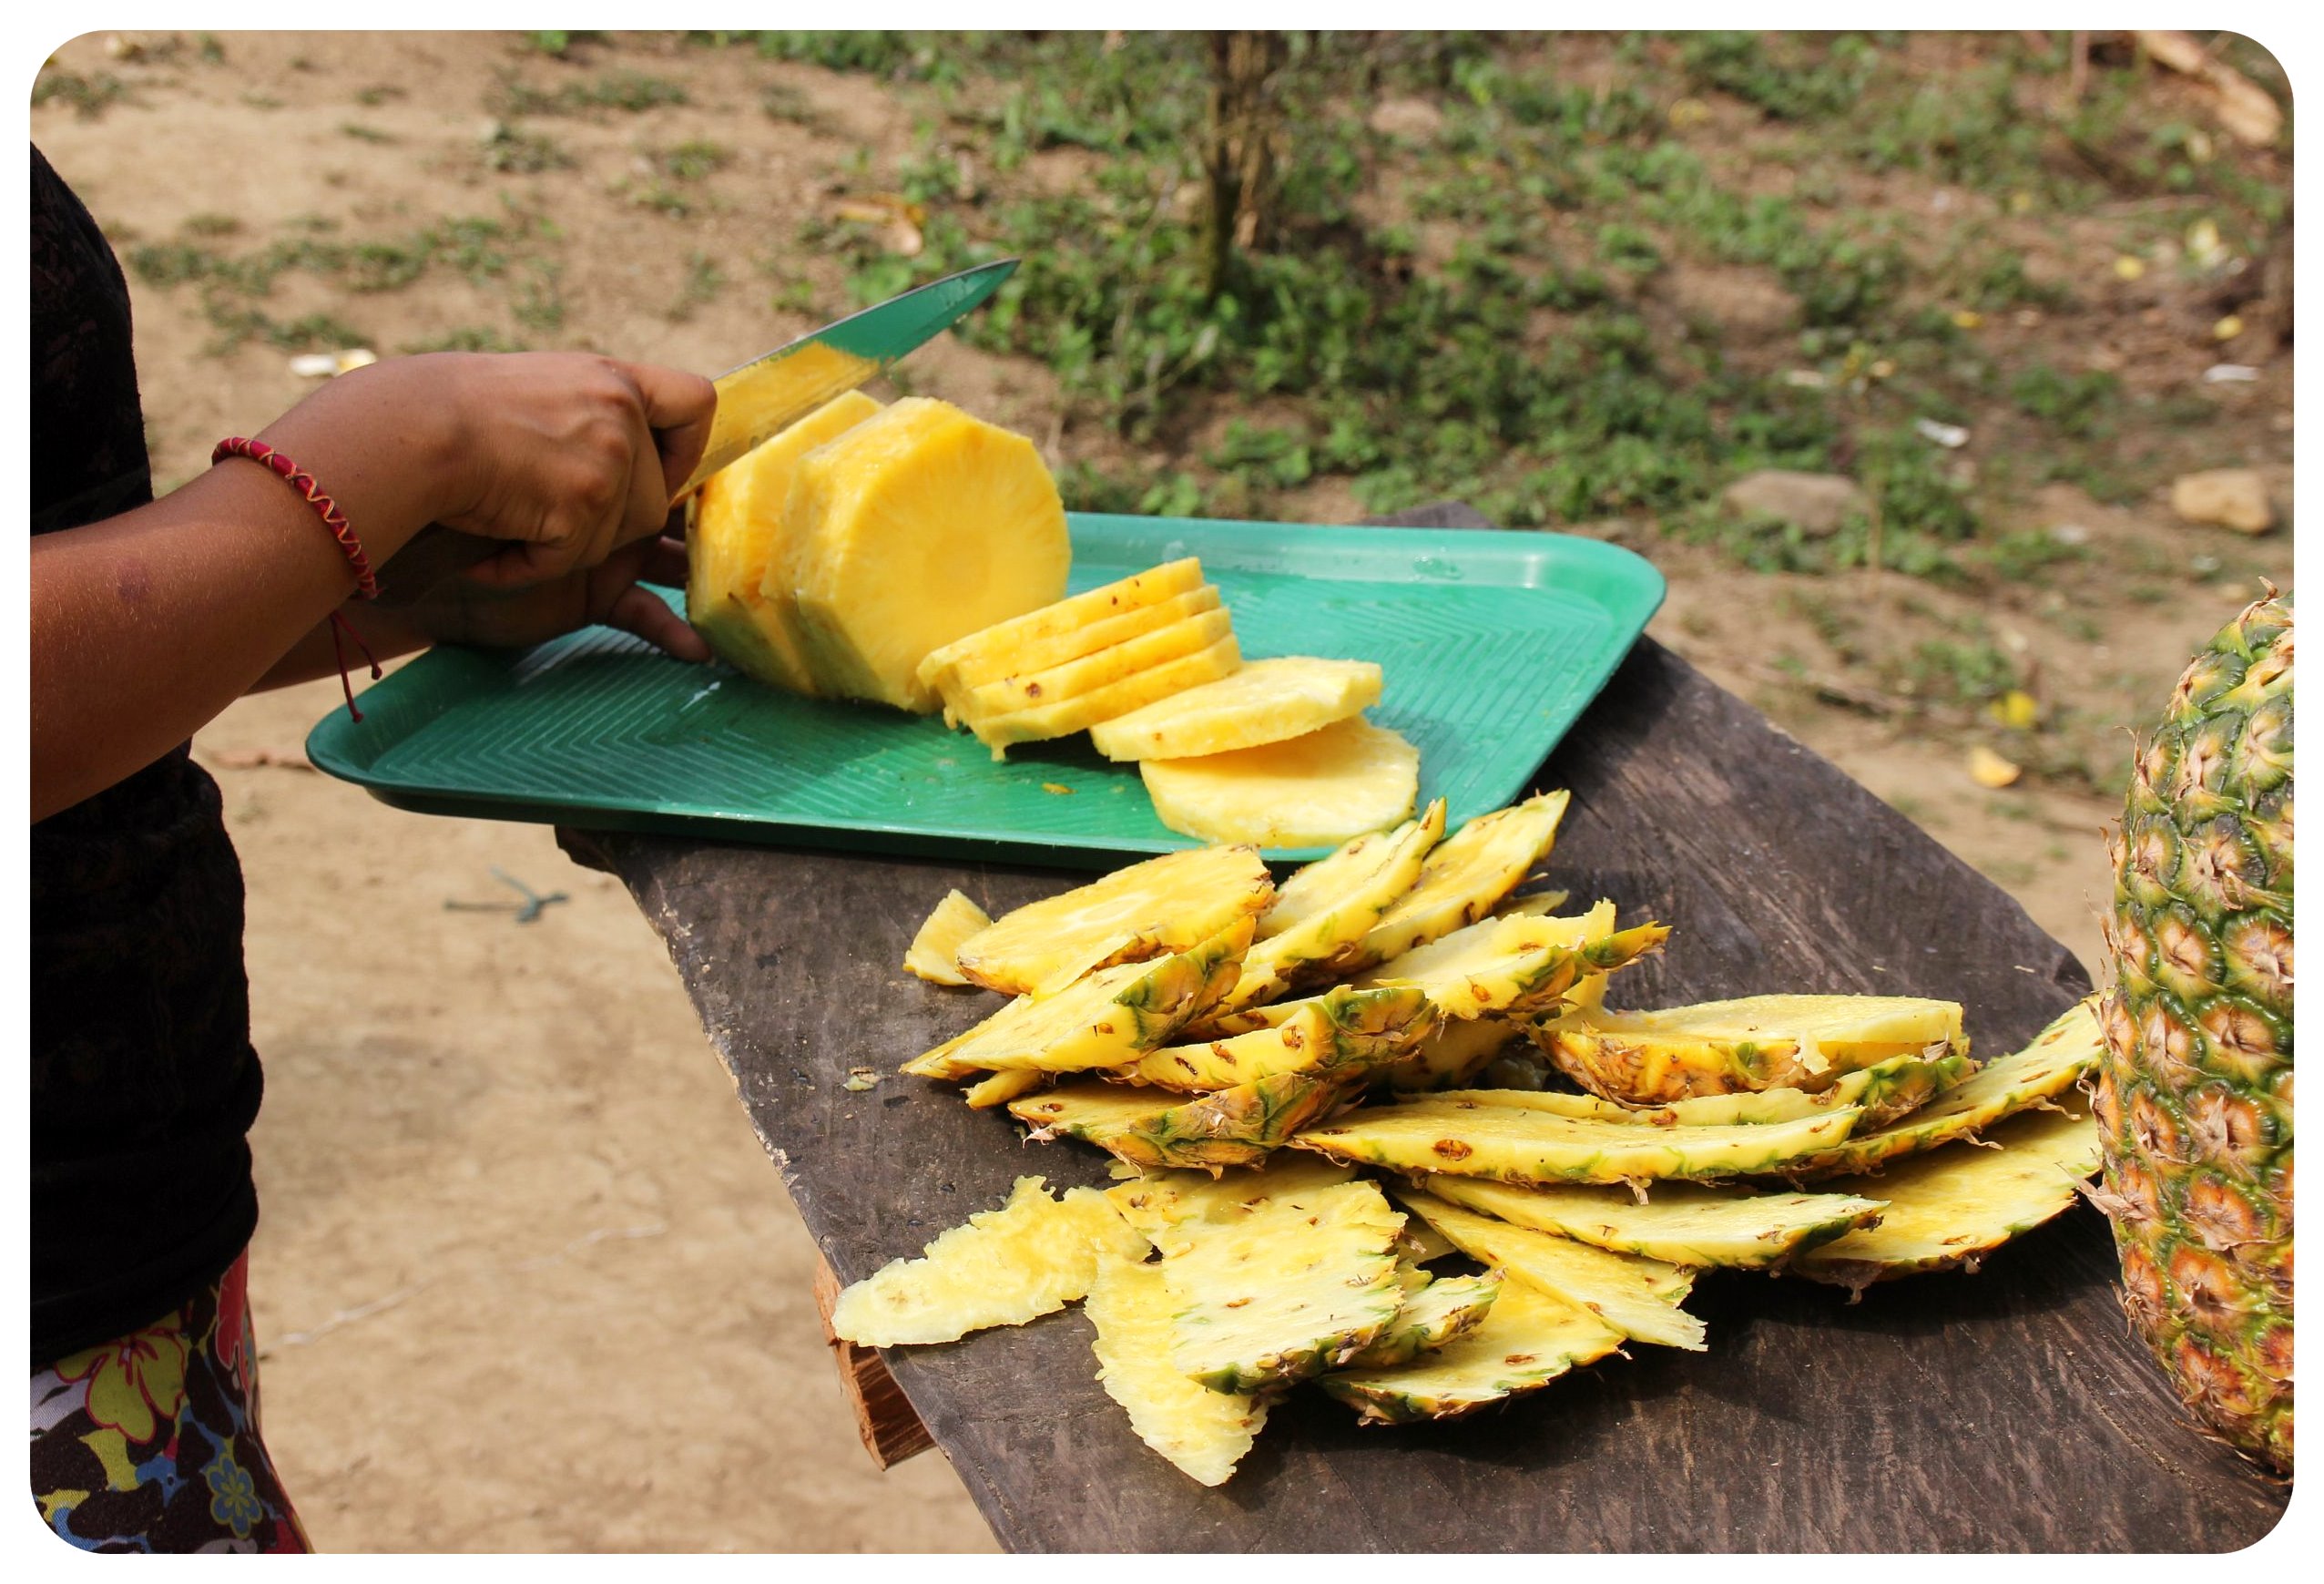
(525, 1280)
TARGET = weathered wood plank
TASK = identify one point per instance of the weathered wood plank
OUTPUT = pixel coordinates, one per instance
(885, 1421)
(2005, 1411)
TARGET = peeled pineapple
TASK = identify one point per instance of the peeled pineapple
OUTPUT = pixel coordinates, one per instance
(1310, 791)
(740, 529)
(913, 528)
(1266, 701)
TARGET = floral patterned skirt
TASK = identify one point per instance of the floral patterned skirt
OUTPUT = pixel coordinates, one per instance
(150, 1441)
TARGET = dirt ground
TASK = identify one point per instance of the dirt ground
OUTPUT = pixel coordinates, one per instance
(525, 1280)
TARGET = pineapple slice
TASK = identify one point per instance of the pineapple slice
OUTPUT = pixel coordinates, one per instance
(1236, 1127)
(1683, 1222)
(1033, 1256)
(2061, 1056)
(1338, 1030)
(1955, 1206)
(1322, 913)
(1883, 1092)
(1514, 1145)
(1287, 1292)
(913, 528)
(1041, 722)
(740, 530)
(1637, 1296)
(1049, 636)
(1266, 701)
(1111, 633)
(1464, 878)
(1348, 778)
(1159, 1202)
(1435, 1311)
(1102, 668)
(930, 956)
(1527, 1341)
(1165, 904)
(1203, 1433)
(1455, 1050)
(1644, 1059)
(1517, 965)
(1112, 1016)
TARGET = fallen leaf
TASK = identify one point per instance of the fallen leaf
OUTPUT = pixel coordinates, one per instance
(2015, 709)
(1967, 318)
(2228, 329)
(2128, 267)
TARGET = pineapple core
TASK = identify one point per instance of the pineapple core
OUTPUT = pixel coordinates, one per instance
(914, 529)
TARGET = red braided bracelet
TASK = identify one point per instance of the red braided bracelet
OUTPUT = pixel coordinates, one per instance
(298, 478)
(366, 584)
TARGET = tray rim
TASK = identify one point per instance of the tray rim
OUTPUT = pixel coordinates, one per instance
(1634, 590)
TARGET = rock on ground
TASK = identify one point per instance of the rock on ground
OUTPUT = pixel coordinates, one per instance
(1817, 502)
(2226, 497)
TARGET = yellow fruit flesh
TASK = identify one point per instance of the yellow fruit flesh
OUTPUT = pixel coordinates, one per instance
(1047, 654)
(1165, 904)
(1034, 1255)
(1078, 678)
(810, 377)
(1267, 701)
(1681, 1223)
(993, 653)
(1955, 1205)
(1332, 1034)
(1044, 722)
(1518, 965)
(1203, 1433)
(739, 529)
(1637, 1296)
(930, 956)
(1455, 1050)
(1528, 1340)
(1434, 1312)
(1313, 791)
(1468, 875)
(909, 530)
(1158, 1202)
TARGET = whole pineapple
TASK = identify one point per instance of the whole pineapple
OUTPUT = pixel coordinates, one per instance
(2195, 1098)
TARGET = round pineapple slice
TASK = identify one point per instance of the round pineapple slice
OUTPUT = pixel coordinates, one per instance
(914, 528)
(1266, 701)
(1313, 791)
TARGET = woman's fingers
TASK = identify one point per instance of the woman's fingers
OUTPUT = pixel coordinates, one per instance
(643, 612)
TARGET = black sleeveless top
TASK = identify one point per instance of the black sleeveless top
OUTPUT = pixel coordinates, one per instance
(143, 1079)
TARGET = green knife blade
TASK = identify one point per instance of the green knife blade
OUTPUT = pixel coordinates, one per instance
(768, 394)
(757, 401)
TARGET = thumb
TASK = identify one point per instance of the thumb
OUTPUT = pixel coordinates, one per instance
(678, 407)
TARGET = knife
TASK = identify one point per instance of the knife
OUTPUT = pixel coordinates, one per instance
(757, 401)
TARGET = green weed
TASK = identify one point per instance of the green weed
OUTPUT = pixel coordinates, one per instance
(519, 153)
(90, 96)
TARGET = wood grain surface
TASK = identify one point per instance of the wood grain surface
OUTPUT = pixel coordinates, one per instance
(2005, 1411)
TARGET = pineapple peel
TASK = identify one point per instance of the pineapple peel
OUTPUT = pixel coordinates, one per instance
(1203, 1433)
(1172, 902)
(931, 955)
(1468, 874)
(1527, 1340)
(1031, 1257)
(1681, 1223)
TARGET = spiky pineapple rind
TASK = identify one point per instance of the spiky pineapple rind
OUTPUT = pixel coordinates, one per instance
(1165, 904)
(1203, 1433)
(1434, 1314)
(1528, 1340)
(1681, 1223)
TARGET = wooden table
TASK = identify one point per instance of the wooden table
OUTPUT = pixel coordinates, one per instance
(2006, 1411)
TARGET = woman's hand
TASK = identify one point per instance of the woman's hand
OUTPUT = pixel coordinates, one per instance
(567, 457)
(460, 610)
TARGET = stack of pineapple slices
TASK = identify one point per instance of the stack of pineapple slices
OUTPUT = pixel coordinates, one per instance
(1215, 1033)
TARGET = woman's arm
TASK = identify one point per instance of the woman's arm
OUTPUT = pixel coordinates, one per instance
(145, 625)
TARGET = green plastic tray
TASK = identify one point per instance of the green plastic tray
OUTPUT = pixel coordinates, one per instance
(1491, 645)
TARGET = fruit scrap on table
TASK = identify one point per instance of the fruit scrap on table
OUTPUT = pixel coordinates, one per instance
(915, 556)
(1383, 1136)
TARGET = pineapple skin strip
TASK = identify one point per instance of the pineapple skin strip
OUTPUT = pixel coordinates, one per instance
(1203, 1433)
(1526, 1341)
(1531, 1147)
(1340, 1030)
(1287, 1292)
(1166, 904)
(1893, 1088)
(1528, 977)
(999, 1088)
(1031, 1257)
(1752, 1042)
(1453, 1051)
(941, 935)
(1468, 874)
(1344, 894)
(1681, 1223)
(1158, 1203)
(1110, 1017)
(1954, 1206)
(1434, 1313)
(1236, 1127)
(1315, 889)
(2061, 1056)
(1639, 1297)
